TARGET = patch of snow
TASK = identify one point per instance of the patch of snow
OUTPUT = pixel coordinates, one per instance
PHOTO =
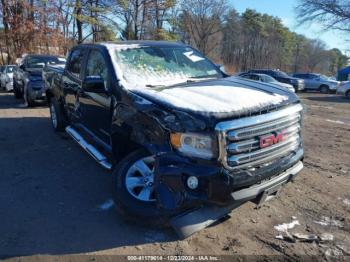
(106, 205)
(216, 98)
(333, 252)
(326, 221)
(326, 237)
(284, 227)
(346, 201)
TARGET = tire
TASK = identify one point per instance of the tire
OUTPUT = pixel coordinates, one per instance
(324, 89)
(16, 92)
(57, 117)
(30, 102)
(127, 197)
(347, 94)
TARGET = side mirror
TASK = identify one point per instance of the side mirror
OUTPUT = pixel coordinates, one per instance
(23, 67)
(94, 84)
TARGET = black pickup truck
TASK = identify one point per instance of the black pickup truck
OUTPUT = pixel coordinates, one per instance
(186, 142)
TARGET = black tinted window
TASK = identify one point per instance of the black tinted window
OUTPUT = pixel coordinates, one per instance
(75, 62)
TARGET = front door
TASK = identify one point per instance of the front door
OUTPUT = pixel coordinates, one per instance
(95, 107)
(72, 82)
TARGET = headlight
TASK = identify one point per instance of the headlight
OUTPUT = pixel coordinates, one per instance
(193, 144)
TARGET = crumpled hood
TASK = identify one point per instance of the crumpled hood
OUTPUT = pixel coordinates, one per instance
(220, 98)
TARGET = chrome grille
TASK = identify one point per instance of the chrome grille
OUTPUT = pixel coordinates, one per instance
(239, 140)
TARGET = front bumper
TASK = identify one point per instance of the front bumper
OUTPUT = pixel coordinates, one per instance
(9, 86)
(189, 222)
(299, 86)
(217, 185)
(36, 90)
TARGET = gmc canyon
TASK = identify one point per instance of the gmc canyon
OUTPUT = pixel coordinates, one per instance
(186, 143)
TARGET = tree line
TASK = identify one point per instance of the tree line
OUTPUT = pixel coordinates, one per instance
(240, 41)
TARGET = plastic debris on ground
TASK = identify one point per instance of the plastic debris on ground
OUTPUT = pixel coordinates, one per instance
(326, 221)
(305, 237)
(326, 237)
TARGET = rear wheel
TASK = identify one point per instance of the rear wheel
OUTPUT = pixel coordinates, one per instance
(324, 89)
(56, 115)
(134, 191)
(16, 92)
(348, 94)
(30, 102)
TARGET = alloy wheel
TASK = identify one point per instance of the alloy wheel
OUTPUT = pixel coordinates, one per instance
(139, 179)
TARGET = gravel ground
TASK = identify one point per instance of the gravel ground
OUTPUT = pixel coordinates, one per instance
(55, 200)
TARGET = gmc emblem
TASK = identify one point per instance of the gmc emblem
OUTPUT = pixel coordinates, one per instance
(272, 139)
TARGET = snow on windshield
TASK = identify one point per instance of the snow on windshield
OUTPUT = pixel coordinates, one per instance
(143, 66)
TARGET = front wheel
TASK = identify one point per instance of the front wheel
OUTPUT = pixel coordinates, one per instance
(134, 191)
(324, 89)
(16, 92)
(347, 95)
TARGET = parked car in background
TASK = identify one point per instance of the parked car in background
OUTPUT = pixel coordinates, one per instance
(266, 79)
(6, 78)
(27, 80)
(180, 136)
(318, 82)
(282, 77)
(2, 68)
(344, 89)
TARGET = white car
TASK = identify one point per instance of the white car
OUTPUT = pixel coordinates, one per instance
(344, 89)
(6, 78)
(267, 79)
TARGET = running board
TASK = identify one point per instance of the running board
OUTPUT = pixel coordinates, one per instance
(94, 152)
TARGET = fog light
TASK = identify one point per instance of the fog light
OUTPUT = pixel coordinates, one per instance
(192, 182)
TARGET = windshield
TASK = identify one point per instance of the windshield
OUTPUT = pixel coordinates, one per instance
(10, 69)
(159, 66)
(281, 74)
(325, 78)
(269, 79)
(40, 62)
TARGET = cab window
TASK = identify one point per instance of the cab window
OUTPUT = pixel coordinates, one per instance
(96, 66)
(75, 62)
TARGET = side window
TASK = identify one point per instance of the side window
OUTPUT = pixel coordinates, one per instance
(254, 77)
(75, 62)
(96, 66)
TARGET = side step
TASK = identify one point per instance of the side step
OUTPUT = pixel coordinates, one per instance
(94, 152)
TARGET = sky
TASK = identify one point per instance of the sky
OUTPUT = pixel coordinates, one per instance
(284, 9)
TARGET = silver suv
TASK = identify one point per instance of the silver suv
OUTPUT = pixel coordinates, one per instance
(318, 82)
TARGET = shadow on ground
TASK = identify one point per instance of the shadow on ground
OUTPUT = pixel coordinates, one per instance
(52, 193)
(329, 99)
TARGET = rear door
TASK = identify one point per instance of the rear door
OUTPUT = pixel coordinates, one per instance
(72, 82)
(313, 82)
(95, 107)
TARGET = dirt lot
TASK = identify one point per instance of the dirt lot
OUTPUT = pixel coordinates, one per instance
(55, 200)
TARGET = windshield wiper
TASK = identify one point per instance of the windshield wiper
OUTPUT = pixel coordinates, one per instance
(202, 77)
(153, 86)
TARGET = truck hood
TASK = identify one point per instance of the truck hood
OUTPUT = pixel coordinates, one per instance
(220, 98)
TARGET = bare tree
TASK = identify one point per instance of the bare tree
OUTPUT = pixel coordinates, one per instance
(201, 23)
(332, 14)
